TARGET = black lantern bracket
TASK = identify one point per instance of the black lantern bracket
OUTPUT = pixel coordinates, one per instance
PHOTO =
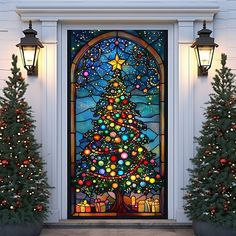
(204, 47)
(29, 48)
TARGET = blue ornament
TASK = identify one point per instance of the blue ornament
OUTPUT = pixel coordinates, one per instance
(142, 184)
(120, 172)
(121, 162)
(142, 136)
(84, 165)
(122, 128)
(125, 137)
(103, 127)
(102, 171)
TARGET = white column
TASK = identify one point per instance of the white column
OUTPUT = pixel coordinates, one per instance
(50, 114)
(184, 113)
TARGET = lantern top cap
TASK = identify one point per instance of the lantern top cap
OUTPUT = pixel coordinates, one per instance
(30, 30)
(30, 38)
(204, 38)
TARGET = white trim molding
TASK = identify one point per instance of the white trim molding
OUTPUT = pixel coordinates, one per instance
(178, 17)
(118, 10)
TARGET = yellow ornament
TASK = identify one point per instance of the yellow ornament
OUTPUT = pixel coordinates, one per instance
(117, 127)
(133, 177)
(152, 180)
(108, 170)
(112, 124)
(108, 139)
(113, 167)
(120, 150)
(109, 107)
(147, 178)
(127, 163)
(140, 149)
(92, 168)
(130, 121)
(130, 116)
(77, 190)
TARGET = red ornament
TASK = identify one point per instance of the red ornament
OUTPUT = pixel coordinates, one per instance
(113, 158)
(4, 202)
(116, 42)
(145, 162)
(26, 162)
(123, 115)
(80, 182)
(39, 207)
(125, 101)
(106, 149)
(103, 117)
(18, 111)
(223, 161)
(158, 176)
(88, 183)
(111, 100)
(213, 211)
(5, 162)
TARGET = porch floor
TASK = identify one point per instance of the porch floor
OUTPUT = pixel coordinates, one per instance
(117, 228)
(117, 232)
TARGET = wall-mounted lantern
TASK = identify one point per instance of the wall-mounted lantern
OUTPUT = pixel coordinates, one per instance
(204, 47)
(29, 48)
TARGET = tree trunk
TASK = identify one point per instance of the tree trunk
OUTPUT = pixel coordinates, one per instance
(119, 205)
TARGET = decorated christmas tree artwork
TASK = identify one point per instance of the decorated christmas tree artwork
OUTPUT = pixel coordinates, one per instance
(211, 193)
(23, 184)
(118, 169)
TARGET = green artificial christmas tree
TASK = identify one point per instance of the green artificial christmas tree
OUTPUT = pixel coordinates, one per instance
(115, 158)
(211, 194)
(23, 183)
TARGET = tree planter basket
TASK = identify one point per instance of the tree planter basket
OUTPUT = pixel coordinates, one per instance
(201, 228)
(30, 229)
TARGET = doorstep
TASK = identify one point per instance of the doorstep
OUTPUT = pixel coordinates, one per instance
(119, 223)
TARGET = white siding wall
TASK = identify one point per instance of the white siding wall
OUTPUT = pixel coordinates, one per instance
(11, 26)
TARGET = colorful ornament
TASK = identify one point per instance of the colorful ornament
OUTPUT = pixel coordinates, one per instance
(223, 161)
(133, 177)
(152, 180)
(97, 137)
(102, 171)
(125, 137)
(109, 107)
(124, 155)
(114, 185)
(113, 158)
(125, 101)
(86, 73)
(142, 184)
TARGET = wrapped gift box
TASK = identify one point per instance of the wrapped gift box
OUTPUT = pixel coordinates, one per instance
(83, 207)
(156, 206)
(100, 207)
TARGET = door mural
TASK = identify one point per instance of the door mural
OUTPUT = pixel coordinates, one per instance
(117, 124)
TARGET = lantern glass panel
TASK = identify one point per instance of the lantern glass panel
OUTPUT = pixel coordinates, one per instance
(29, 56)
(205, 56)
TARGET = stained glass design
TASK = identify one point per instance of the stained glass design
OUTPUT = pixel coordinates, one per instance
(117, 123)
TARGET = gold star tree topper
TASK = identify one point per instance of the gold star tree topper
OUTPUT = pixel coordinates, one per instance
(116, 63)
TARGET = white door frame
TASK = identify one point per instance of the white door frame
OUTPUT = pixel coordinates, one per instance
(178, 17)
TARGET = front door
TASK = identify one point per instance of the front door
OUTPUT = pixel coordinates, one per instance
(117, 127)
